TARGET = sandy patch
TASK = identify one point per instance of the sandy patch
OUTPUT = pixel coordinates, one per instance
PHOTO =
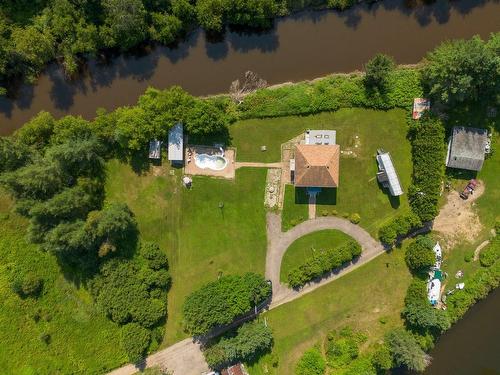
(458, 218)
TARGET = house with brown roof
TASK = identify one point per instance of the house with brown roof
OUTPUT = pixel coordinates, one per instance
(237, 369)
(316, 165)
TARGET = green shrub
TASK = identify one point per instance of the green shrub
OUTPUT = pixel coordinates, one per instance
(311, 363)
(382, 358)
(155, 258)
(397, 227)
(342, 348)
(355, 218)
(135, 341)
(219, 302)
(250, 340)
(419, 255)
(490, 254)
(468, 256)
(322, 262)
(378, 70)
(26, 284)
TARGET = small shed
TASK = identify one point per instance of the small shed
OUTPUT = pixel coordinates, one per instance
(154, 149)
(176, 144)
(466, 148)
(387, 175)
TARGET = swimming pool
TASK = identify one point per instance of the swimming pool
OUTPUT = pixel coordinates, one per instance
(214, 162)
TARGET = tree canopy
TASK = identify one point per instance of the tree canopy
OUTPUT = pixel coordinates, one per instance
(464, 71)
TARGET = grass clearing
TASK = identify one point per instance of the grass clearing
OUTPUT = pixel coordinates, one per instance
(361, 131)
(201, 239)
(304, 248)
(359, 299)
(81, 339)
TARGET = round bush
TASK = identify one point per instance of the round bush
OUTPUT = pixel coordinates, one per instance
(311, 363)
(31, 285)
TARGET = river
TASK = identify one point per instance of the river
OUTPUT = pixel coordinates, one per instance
(472, 346)
(303, 46)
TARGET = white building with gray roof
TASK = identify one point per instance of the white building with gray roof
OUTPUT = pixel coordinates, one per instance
(466, 148)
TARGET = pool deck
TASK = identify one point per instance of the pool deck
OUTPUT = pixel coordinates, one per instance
(190, 168)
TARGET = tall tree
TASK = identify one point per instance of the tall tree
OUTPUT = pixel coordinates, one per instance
(462, 71)
(125, 23)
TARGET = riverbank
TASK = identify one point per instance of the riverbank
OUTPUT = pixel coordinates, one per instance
(299, 47)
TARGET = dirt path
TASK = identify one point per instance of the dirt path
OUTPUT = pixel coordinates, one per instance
(243, 164)
(182, 358)
(186, 358)
(481, 246)
(278, 243)
(458, 219)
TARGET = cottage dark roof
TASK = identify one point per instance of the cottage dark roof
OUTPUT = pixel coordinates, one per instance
(317, 165)
(466, 148)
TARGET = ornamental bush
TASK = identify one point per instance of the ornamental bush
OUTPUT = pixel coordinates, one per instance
(321, 262)
(249, 341)
(219, 302)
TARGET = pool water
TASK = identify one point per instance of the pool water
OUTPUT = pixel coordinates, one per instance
(214, 162)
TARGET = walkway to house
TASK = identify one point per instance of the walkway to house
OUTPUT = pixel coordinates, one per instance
(278, 243)
(242, 164)
(186, 358)
(312, 206)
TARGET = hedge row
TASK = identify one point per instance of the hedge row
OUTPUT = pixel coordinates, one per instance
(332, 93)
(397, 227)
(428, 153)
(322, 262)
(219, 302)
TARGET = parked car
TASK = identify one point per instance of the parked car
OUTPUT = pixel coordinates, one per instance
(468, 189)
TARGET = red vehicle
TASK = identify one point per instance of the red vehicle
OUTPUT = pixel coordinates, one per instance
(468, 189)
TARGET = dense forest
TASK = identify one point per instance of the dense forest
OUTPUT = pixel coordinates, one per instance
(35, 32)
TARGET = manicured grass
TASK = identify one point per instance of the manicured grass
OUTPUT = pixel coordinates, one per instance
(201, 239)
(304, 248)
(358, 299)
(359, 191)
(81, 339)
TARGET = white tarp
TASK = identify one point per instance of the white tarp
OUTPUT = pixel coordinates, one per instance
(434, 291)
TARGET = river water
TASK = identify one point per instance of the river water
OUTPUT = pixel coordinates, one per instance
(472, 346)
(303, 46)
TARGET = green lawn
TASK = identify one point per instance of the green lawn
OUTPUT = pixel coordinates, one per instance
(304, 247)
(358, 299)
(81, 339)
(201, 240)
(358, 190)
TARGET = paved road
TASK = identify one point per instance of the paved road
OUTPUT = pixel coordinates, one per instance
(185, 357)
(279, 241)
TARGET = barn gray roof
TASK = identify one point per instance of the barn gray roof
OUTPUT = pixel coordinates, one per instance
(466, 148)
